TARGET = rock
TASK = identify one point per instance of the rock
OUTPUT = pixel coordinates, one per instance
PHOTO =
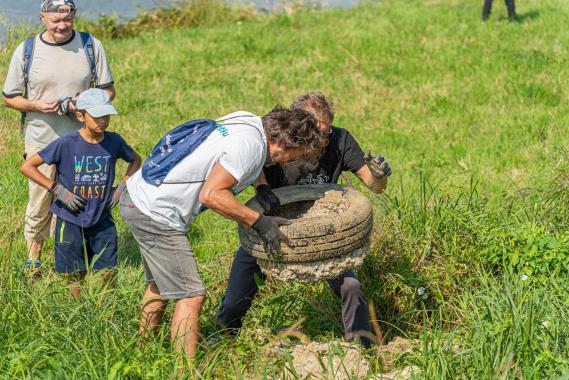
(335, 360)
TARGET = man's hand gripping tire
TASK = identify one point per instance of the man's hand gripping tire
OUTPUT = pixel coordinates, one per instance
(268, 228)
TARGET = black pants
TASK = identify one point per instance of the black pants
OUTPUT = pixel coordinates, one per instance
(241, 289)
(510, 4)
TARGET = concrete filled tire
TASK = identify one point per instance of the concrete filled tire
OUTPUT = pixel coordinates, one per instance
(329, 221)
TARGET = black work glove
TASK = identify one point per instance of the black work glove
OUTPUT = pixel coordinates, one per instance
(267, 199)
(63, 105)
(117, 192)
(268, 228)
(378, 166)
(71, 201)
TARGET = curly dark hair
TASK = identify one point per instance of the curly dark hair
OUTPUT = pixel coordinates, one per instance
(293, 129)
(317, 103)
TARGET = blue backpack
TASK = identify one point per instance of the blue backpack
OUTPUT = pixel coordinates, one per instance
(29, 45)
(174, 147)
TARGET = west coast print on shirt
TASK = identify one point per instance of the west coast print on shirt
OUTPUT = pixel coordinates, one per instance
(91, 174)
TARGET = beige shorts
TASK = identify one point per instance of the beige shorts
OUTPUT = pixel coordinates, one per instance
(167, 256)
(38, 218)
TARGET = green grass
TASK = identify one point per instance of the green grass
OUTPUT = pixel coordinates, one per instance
(473, 118)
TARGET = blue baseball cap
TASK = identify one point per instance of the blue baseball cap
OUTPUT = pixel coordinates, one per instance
(96, 102)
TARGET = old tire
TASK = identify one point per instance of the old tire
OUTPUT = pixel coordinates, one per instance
(316, 238)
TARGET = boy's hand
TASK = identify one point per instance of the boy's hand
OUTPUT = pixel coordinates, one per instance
(267, 199)
(378, 166)
(115, 199)
(268, 228)
(71, 201)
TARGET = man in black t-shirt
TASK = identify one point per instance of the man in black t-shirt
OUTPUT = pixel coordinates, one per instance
(343, 153)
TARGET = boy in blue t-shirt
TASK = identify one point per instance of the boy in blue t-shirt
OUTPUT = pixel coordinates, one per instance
(85, 232)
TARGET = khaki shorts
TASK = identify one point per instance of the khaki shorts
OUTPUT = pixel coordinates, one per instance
(167, 256)
(38, 217)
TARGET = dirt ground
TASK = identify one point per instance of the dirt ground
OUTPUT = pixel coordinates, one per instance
(329, 206)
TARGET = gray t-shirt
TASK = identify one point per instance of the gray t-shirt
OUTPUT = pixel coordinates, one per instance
(57, 71)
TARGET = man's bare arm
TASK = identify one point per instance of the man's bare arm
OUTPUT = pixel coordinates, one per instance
(22, 104)
(377, 185)
(216, 194)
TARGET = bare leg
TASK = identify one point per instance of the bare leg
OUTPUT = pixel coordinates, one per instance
(74, 283)
(153, 308)
(186, 325)
(107, 278)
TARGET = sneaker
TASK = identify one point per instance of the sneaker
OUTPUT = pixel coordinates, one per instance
(33, 269)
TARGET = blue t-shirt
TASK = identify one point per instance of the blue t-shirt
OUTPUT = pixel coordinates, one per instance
(88, 170)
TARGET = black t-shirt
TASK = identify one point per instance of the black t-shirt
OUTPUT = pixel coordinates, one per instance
(342, 153)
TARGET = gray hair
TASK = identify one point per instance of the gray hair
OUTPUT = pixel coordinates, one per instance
(317, 103)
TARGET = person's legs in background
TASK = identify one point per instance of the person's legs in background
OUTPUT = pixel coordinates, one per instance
(355, 314)
(241, 289)
(486, 9)
(38, 218)
(511, 5)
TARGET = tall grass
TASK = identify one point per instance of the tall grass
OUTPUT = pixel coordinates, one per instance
(472, 117)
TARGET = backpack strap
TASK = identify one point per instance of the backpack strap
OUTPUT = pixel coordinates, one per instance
(29, 46)
(87, 41)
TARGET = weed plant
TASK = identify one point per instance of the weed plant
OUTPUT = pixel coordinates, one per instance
(473, 118)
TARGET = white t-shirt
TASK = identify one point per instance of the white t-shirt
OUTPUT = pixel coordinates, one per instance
(57, 71)
(239, 144)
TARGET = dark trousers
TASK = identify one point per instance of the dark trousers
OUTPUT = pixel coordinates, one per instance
(241, 289)
(510, 4)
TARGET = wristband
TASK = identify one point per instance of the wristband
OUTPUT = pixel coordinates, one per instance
(52, 187)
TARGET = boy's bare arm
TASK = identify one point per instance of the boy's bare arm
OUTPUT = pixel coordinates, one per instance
(30, 169)
(133, 166)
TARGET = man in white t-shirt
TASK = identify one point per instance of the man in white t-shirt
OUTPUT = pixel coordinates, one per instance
(227, 161)
(59, 69)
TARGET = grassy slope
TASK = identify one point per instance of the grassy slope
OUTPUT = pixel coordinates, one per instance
(448, 100)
